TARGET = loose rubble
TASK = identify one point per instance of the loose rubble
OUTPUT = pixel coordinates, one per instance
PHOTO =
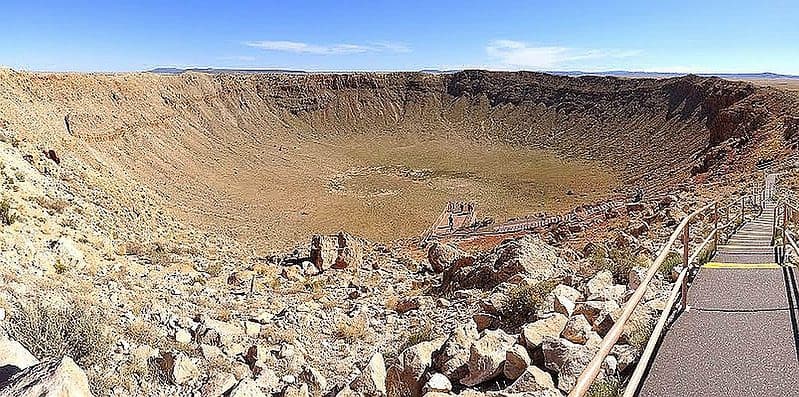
(175, 311)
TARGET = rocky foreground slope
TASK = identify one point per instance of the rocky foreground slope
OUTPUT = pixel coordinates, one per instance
(159, 309)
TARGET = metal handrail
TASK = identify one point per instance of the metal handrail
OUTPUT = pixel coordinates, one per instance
(593, 369)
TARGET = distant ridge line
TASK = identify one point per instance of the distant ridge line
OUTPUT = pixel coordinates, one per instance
(570, 73)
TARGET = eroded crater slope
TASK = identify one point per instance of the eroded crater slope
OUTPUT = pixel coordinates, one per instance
(271, 158)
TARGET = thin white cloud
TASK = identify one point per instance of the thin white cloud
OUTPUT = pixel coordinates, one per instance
(511, 53)
(330, 49)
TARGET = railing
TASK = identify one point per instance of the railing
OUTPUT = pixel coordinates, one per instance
(682, 232)
(783, 231)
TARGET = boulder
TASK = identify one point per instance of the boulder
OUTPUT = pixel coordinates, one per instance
(347, 392)
(218, 384)
(569, 360)
(339, 252)
(183, 370)
(407, 377)
(68, 255)
(637, 228)
(528, 256)
(267, 379)
(317, 383)
(516, 362)
(444, 256)
(296, 391)
(532, 379)
(484, 320)
(182, 336)
(577, 329)
(407, 304)
(437, 383)
(219, 333)
(252, 329)
(13, 358)
(625, 355)
(601, 287)
(454, 355)
(565, 299)
(487, 356)
(593, 309)
(602, 280)
(372, 380)
(51, 377)
(533, 334)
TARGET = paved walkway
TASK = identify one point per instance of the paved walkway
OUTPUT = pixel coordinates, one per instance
(739, 336)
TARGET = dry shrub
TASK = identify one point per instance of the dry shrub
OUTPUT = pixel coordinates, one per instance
(142, 332)
(621, 262)
(521, 303)
(7, 217)
(157, 252)
(54, 205)
(672, 259)
(391, 302)
(607, 387)
(277, 334)
(618, 261)
(214, 268)
(49, 328)
(639, 329)
(352, 329)
(417, 335)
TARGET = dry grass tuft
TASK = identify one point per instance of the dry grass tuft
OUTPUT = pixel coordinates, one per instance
(7, 217)
(52, 329)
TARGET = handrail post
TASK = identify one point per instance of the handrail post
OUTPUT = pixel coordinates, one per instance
(727, 214)
(784, 227)
(742, 209)
(716, 227)
(774, 225)
(685, 253)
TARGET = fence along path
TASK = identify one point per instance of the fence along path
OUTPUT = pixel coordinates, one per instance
(734, 332)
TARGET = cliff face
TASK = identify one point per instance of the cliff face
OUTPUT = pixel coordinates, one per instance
(221, 140)
(605, 118)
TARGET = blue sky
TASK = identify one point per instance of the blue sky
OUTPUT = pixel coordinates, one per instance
(640, 35)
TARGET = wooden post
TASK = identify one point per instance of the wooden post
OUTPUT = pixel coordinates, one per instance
(685, 249)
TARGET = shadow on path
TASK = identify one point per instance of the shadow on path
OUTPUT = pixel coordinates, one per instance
(793, 298)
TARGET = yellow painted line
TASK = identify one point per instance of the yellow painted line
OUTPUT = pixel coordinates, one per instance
(720, 265)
